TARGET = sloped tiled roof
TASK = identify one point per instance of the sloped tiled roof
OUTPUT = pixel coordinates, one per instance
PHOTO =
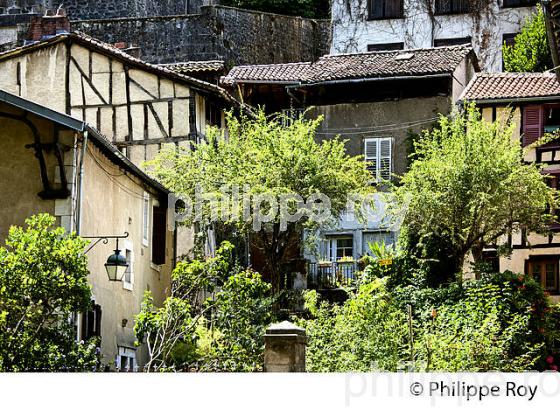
(382, 64)
(498, 86)
(196, 66)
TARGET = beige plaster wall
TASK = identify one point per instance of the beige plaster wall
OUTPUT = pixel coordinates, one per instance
(20, 172)
(112, 205)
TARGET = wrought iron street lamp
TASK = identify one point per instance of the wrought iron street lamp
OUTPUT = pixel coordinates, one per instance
(117, 264)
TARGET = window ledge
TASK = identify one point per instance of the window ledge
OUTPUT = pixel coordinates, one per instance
(385, 18)
(155, 267)
(128, 286)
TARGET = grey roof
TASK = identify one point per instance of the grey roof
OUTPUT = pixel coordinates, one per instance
(381, 64)
(77, 125)
(511, 86)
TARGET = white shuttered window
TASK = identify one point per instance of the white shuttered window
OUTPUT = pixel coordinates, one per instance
(378, 155)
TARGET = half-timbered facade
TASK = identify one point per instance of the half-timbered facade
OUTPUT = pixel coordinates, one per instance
(533, 102)
(139, 106)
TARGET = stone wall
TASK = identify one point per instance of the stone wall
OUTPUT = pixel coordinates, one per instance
(234, 35)
(94, 9)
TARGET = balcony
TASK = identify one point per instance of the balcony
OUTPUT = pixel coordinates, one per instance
(331, 275)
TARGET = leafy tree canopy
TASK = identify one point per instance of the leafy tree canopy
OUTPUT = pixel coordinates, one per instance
(530, 52)
(43, 280)
(470, 185)
(263, 157)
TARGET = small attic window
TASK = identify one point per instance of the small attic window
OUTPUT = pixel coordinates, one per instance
(404, 57)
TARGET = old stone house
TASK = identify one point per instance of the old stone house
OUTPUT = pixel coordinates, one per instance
(533, 101)
(53, 163)
(371, 25)
(374, 100)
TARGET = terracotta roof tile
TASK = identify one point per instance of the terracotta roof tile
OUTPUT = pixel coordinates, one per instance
(497, 86)
(438, 60)
(196, 66)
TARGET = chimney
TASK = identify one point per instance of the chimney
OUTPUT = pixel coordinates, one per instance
(45, 27)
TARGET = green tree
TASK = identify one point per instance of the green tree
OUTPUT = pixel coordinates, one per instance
(214, 318)
(263, 158)
(43, 280)
(530, 52)
(318, 9)
(470, 185)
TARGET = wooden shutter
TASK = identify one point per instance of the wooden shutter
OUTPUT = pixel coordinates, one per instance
(385, 159)
(370, 154)
(159, 235)
(97, 314)
(533, 124)
(192, 117)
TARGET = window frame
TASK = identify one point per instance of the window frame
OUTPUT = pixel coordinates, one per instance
(128, 248)
(127, 353)
(379, 157)
(542, 260)
(505, 6)
(451, 12)
(379, 47)
(371, 17)
(452, 41)
(332, 247)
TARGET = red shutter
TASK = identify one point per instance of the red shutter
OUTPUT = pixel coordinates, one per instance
(533, 124)
(158, 235)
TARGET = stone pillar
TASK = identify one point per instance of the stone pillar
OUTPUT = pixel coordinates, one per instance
(284, 349)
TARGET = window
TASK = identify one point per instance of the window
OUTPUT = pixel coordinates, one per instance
(91, 322)
(159, 235)
(128, 278)
(126, 360)
(509, 39)
(452, 6)
(146, 219)
(385, 9)
(491, 258)
(377, 152)
(519, 3)
(385, 47)
(440, 42)
(387, 237)
(340, 247)
(544, 269)
(213, 114)
(538, 119)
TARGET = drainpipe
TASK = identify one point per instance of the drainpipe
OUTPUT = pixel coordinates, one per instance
(81, 183)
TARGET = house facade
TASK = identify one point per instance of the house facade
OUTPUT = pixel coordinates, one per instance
(376, 101)
(373, 25)
(139, 107)
(59, 165)
(533, 102)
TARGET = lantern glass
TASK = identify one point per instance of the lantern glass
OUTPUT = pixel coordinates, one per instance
(116, 266)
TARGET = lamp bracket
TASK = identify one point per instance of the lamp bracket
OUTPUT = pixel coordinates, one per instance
(104, 239)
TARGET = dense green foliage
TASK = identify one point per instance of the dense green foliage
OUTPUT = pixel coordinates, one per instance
(263, 158)
(467, 187)
(213, 320)
(530, 52)
(318, 9)
(501, 322)
(43, 280)
(366, 333)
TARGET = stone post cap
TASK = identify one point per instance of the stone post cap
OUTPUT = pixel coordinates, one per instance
(285, 328)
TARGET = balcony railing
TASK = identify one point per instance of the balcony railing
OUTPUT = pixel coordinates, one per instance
(330, 275)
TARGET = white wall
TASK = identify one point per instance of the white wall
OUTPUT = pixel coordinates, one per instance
(352, 32)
